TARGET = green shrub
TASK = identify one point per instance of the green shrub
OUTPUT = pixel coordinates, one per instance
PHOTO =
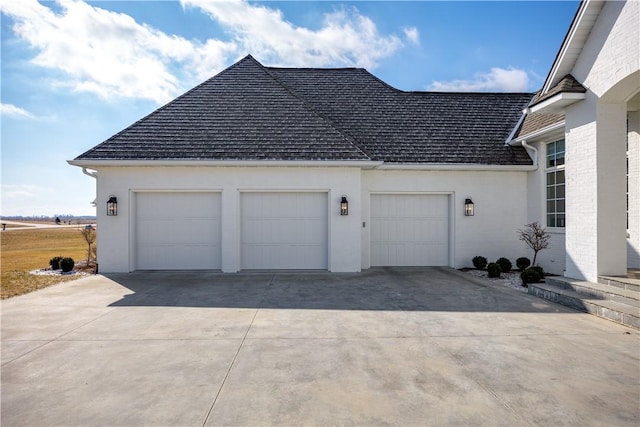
(505, 264)
(493, 269)
(55, 262)
(522, 263)
(530, 275)
(539, 270)
(66, 264)
(479, 262)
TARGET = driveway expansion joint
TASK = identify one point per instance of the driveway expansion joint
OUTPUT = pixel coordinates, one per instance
(235, 356)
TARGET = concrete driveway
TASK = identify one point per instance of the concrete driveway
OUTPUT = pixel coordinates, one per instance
(409, 347)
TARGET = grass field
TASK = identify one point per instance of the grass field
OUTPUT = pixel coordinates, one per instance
(26, 250)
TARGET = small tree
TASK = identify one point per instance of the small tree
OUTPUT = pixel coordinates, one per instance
(535, 237)
(89, 234)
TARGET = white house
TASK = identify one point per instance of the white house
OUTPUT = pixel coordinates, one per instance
(250, 169)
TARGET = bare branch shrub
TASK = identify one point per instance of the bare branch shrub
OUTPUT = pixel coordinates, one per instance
(535, 237)
(89, 234)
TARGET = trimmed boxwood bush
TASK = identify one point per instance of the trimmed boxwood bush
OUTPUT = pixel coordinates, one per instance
(539, 270)
(55, 262)
(479, 262)
(493, 270)
(67, 264)
(505, 264)
(530, 275)
(522, 263)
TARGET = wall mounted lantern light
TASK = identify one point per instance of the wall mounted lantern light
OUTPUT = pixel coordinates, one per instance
(344, 206)
(468, 207)
(112, 206)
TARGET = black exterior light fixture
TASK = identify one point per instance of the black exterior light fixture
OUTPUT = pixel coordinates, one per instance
(468, 207)
(112, 206)
(344, 206)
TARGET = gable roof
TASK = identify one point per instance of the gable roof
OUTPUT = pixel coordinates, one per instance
(251, 112)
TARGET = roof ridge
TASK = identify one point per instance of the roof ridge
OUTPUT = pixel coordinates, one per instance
(379, 80)
(310, 108)
(312, 68)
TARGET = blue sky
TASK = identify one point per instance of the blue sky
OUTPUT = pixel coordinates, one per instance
(76, 72)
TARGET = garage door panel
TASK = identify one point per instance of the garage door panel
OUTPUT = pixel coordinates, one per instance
(284, 231)
(405, 254)
(172, 257)
(178, 231)
(409, 230)
(183, 231)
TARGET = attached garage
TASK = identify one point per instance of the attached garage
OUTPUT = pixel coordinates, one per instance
(177, 231)
(222, 183)
(285, 230)
(409, 230)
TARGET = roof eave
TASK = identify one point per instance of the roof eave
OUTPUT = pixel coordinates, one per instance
(93, 164)
(539, 132)
(455, 167)
(557, 103)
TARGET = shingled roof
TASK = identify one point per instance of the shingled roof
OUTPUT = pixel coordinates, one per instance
(537, 121)
(252, 112)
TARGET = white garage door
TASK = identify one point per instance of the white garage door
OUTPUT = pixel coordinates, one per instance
(178, 231)
(284, 231)
(409, 230)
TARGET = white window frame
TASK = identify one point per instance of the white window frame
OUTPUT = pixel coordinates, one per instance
(554, 168)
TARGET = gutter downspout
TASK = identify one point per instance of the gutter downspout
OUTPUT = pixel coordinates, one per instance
(94, 175)
(91, 174)
(535, 153)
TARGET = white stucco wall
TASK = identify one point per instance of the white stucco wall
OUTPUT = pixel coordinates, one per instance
(115, 233)
(500, 199)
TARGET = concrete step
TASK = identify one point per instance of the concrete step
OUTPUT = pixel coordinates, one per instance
(597, 290)
(629, 283)
(626, 314)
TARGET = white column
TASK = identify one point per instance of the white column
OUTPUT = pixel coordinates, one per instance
(596, 190)
(230, 230)
(633, 240)
(612, 189)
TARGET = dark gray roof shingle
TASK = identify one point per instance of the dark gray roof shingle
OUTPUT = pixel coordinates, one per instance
(252, 112)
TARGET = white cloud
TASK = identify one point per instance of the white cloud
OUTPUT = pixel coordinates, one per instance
(412, 34)
(11, 191)
(109, 53)
(13, 111)
(346, 38)
(497, 80)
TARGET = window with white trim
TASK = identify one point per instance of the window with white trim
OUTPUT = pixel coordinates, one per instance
(555, 184)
